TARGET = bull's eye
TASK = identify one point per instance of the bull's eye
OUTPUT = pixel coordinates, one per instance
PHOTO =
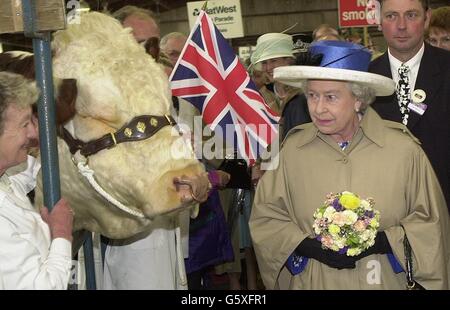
(128, 132)
(140, 127)
(153, 122)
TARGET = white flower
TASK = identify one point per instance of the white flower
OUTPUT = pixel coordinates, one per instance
(328, 214)
(350, 217)
(316, 227)
(366, 205)
(335, 248)
(340, 242)
(365, 235)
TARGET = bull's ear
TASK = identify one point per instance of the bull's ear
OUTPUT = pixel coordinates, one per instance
(66, 96)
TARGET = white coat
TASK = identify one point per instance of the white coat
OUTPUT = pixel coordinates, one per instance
(29, 259)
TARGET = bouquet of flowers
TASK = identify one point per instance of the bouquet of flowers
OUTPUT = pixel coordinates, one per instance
(346, 223)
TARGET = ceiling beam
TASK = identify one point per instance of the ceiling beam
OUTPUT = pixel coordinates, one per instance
(154, 5)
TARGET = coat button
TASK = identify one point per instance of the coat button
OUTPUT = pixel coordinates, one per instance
(345, 160)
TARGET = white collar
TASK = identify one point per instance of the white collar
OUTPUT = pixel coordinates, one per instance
(413, 62)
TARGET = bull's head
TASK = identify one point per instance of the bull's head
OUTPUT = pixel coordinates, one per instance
(118, 81)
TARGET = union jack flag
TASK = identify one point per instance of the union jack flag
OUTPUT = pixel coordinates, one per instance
(210, 76)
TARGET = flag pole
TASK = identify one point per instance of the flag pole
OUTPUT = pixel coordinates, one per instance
(205, 5)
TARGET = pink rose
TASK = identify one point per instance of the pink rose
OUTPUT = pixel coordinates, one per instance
(339, 218)
(327, 241)
(360, 226)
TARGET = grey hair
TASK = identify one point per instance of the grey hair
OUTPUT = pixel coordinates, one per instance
(365, 94)
(15, 90)
(172, 35)
(128, 10)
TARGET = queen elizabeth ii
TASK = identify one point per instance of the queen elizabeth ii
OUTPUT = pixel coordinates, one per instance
(348, 147)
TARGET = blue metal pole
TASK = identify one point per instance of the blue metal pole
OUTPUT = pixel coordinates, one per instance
(46, 106)
(89, 264)
(47, 124)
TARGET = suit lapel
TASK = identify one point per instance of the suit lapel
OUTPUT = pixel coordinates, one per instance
(383, 67)
(428, 80)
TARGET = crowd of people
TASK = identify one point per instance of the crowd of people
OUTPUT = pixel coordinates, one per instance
(349, 122)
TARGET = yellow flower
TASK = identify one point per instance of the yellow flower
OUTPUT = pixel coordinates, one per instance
(334, 229)
(349, 201)
(353, 252)
(374, 223)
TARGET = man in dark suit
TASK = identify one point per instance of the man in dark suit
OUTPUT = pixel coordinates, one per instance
(427, 111)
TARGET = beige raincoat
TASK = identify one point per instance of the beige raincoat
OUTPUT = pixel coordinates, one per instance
(384, 162)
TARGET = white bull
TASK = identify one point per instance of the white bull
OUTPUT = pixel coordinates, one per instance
(116, 82)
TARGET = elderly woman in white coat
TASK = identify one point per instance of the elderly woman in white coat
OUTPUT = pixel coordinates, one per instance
(35, 249)
(348, 147)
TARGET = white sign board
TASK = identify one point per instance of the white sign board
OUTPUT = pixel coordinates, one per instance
(226, 15)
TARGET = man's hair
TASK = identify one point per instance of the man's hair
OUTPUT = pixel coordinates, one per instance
(15, 90)
(425, 4)
(440, 18)
(327, 31)
(128, 10)
(172, 35)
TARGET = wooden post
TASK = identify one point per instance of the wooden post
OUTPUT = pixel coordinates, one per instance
(50, 15)
(366, 36)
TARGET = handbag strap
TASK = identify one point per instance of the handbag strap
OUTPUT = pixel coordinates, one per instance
(410, 283)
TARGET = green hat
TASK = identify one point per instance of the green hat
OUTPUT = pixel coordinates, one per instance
(272, 45)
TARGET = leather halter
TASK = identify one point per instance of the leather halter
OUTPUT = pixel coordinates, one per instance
(139, 128)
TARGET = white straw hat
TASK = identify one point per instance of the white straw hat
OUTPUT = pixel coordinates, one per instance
(341, 61)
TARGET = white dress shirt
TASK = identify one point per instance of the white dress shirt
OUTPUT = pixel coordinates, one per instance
(413, 64)
(29, 259)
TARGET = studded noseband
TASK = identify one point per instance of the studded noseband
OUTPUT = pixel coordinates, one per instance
(139, 128)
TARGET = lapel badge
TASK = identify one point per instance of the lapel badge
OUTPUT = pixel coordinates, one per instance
(418, 96)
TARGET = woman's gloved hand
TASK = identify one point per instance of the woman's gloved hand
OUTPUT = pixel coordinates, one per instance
(312, 248)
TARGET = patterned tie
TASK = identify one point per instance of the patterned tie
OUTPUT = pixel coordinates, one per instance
(403, 92)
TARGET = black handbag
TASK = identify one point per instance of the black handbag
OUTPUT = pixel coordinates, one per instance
(410, 283)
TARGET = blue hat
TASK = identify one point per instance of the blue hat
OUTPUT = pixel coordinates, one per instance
(341, 61)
